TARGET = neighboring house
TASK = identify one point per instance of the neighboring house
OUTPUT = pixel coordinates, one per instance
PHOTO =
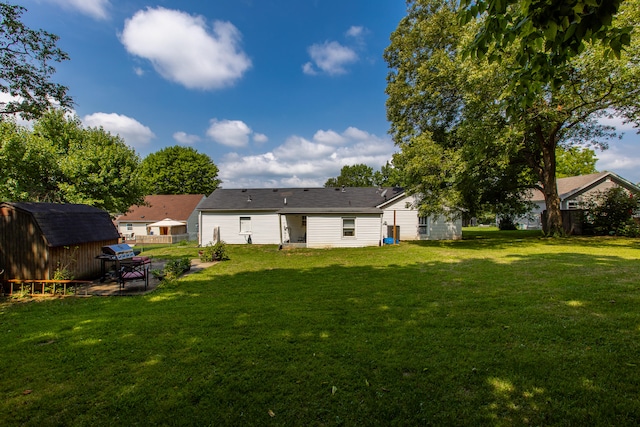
(38, 238)
(317, 217)
(141, 220)
(574, 192)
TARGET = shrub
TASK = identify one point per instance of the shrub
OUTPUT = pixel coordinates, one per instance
(611, 212)
(507, 223)
(214, 252)
(176, 267)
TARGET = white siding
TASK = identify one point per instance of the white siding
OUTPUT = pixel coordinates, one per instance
(138, 229)
(264, 228)
(441, 228)
(402, 214)
(325, 231)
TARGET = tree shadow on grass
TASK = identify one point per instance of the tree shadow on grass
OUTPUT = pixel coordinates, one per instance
(494, 239)
(537, 339)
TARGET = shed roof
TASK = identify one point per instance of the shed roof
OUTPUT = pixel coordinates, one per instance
(68, 224)
(570, 186)
(300, 200)
(157, 207)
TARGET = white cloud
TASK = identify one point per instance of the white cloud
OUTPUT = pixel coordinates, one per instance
(97, 9)
(185, 138)
(355, 31)
(260, 138)
(622, 158)
(5, 98)
(356, 133)
(618, 123)
(330, 58)
(134, 133)
(329, 137)
(183, 50)
(298, 148)
(302, 162)
(308, 69)
(232, 133)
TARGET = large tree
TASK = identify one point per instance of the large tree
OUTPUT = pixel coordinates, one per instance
(543, 36)
(61, 161)
(179, 170)
(462, 145)
(359, 175)
(25, 67)
(575, 161)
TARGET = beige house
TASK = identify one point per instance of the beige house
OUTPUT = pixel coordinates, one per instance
(162, 218)
(574, 192)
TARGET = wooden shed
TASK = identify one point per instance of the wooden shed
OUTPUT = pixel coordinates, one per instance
(37, 238)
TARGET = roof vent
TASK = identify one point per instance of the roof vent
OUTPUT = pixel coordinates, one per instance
(285, 200)
(343, 190)
(275, 190)
(249, 199)
(244, 190)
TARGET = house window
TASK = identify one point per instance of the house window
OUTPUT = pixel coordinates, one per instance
(129, 227)
(423, 224)
(348, 227)
(304, 220)
(245, 225)
(572, 204)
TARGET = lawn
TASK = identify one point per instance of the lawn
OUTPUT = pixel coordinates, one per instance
(498, 329)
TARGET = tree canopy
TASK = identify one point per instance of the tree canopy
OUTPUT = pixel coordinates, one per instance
(575, 161)
(25, 67)
(361, 175)
(465, 141)
(60, 161)
(543, 36)
(178, 170)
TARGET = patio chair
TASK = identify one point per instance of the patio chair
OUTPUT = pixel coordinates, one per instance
(132, 271)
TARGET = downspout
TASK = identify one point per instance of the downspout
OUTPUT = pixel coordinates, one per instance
(394, 227)
(199, 228)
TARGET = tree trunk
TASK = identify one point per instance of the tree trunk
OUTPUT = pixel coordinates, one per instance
(553, 221)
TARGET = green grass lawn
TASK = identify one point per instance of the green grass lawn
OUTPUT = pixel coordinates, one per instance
(498, 329)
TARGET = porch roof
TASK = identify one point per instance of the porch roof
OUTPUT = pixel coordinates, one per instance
(307, 211)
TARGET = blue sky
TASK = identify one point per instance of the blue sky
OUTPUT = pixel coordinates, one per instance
(279, 93)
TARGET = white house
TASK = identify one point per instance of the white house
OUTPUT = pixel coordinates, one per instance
(317, 217)
(574, 191)
(145, 220)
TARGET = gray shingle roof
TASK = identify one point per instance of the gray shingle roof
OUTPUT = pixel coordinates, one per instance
(69, 224)
(300, 200)
(567, 187)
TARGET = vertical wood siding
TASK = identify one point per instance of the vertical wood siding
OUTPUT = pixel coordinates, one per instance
(79, 259)
(24, 253)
